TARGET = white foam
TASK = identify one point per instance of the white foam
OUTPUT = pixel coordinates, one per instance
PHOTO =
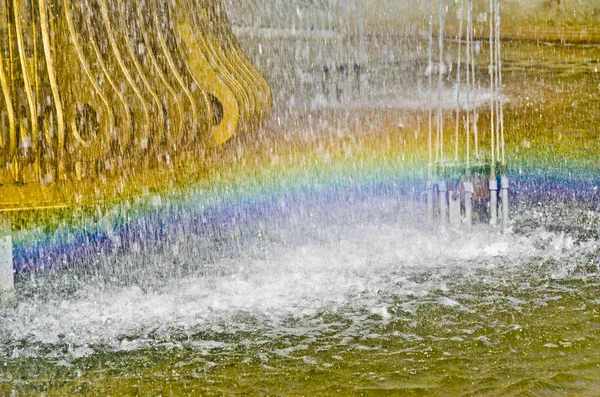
(323, 264)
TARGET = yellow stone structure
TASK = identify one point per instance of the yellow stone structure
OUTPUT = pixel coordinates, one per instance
(105, 95)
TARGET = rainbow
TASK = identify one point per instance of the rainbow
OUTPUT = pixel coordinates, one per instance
(234, 201)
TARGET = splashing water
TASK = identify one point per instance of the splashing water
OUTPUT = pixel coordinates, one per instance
(323, 284)
(368, 257)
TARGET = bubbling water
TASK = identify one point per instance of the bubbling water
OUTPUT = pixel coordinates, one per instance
(369, 262)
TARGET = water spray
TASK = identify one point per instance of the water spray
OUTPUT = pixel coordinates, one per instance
(459, 182)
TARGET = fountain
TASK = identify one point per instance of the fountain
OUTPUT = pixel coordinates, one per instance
(327, 41)
(463, 163)
(102, 101)
(341, 245)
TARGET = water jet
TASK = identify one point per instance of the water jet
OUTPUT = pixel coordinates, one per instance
(7, 285)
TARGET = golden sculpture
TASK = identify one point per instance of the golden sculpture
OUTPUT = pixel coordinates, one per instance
(100, 94)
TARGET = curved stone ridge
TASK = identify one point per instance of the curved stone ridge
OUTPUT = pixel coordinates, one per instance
(108, 90)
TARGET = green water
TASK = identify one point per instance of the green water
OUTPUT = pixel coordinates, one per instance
(509, 342)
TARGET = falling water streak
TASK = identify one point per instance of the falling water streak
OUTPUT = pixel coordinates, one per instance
(496, 80)
(346, 15)
(468, 77)
(458, 77)
(492, 89)
(440, 114)
(499, 90)
(352, 35)
(430, 102)
(361, 35)
(475, 116)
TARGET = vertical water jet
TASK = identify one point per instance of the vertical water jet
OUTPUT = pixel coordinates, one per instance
(7, 285)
